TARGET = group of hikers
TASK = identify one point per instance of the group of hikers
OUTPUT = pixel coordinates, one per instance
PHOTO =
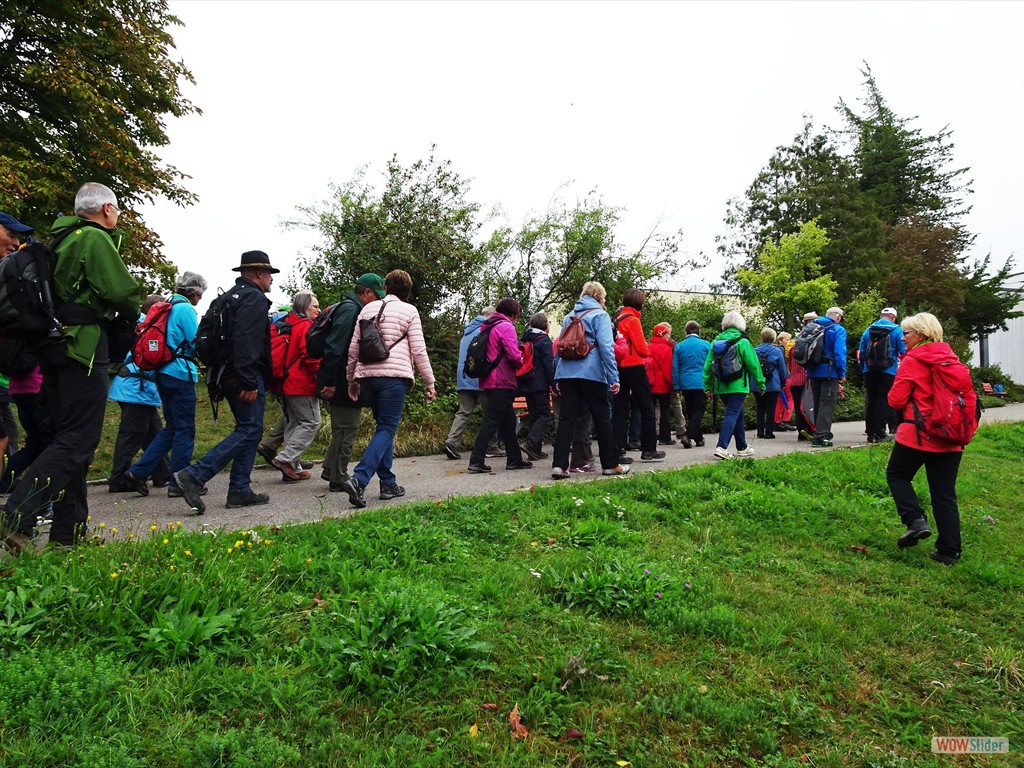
(600, 376)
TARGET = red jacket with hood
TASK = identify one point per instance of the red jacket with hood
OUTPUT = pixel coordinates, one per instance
(629, 326)
(659, 372)
(913, 383)
(301, 380)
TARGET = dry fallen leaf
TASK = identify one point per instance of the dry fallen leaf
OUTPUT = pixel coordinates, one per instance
(490, 707)
(473, 731)
(623, 763)
(858, 548)
(570, 733)
(519, 731)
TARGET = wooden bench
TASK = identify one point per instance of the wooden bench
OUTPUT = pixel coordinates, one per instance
(988, 389)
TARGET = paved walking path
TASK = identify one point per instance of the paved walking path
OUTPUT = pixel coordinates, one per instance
(426, 478)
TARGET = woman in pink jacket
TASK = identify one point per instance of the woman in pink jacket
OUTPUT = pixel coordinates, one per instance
(384, 384)
(500, 385)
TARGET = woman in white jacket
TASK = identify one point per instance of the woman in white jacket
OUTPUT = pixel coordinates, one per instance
(383, 385)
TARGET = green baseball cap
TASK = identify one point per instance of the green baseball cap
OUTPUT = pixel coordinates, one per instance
(373, 281)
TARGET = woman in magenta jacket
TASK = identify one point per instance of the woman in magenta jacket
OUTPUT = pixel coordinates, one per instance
(500, 385)
(915, 448)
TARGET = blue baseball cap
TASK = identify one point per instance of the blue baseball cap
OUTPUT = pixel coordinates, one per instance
(13, 224)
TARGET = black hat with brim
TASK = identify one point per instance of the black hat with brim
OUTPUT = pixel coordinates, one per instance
(255, 260)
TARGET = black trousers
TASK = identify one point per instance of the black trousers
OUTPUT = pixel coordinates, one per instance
(797, 390)
(37, 425)
(581, 396)
(766, 412)
(941, 470)
(77, 398)
(539, 406)
(695, 402)
(877, 413)
(499, 417)
(139, 425)
(633, 380)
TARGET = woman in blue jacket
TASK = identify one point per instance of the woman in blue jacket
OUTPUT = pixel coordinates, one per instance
(773, 366)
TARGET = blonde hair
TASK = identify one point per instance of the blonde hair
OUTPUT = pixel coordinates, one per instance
(767, 335)
(784, 337)
(595, 289)
(924, 323)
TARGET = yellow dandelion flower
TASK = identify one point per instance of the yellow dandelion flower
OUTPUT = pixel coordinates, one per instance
(131, 536)
(309, 561)
(152, 527)
(174, 567)
(230, 550)
(166, 541)
(238, 544)
(249, 545)
(179, 524)
(88, 518)
(188, 553)
(103, 525)
(113, 530)
(114, 575)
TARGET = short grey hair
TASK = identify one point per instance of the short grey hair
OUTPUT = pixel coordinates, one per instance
(91, 198)
(487, 311)
(190, 284)
(301, 302)
(734, 320)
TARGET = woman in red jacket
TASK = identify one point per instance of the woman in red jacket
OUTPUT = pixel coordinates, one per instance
(633, 381)
(659, 374)
(915, 448)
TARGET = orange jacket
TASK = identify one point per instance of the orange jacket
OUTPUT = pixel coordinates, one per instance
(629, 326)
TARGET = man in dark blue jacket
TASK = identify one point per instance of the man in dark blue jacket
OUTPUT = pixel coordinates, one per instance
(244, 385)
(536, 386)
(879, 355)
(826, 377)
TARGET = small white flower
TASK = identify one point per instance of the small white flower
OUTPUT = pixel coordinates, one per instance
(534, 573)
(620, 514)
(579, 502)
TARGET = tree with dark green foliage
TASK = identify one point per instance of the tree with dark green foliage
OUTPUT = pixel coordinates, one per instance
(545, 264)
(85, 89)
(421, 221)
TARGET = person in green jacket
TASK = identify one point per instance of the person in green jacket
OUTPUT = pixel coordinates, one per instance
(730, 365)
(91, 285)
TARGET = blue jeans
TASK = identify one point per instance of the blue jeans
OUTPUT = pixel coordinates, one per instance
(732, 422)
(179, 433)
(386, 397)
(238, 448)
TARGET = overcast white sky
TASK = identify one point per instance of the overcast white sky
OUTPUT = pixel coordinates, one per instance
(667, 108)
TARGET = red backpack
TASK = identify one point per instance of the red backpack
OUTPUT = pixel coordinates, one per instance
(151, 350)
(953, 412)
(525, 371)
(280, 343)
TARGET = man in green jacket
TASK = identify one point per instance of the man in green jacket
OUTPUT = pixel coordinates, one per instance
(91, 284)
(331, 383)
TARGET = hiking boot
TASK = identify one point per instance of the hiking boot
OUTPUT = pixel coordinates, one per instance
(450, 452)
(698, 443)
(190, 489)
(174, 492)
(807, 435)
(16, 542)
(621, 469)
(354, 489)
(137, 484)
(519, 465)
(821, 443)
(289, 471)
(534, 453)
(939, 557)
(494, 453)
(632, 446)
(392, 491)
(685, 442)
(652, 456)
(767, 436)
(305, 464)
(246, 499)
(721, 453)
(325, 474)
(559, 474)
(336, 487)
(624, 459)
(267, 453)
(745, 453)
(917, 531)
(478, 469)
(666, 442)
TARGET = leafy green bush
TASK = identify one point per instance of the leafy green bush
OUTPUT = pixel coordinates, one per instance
(609, 587)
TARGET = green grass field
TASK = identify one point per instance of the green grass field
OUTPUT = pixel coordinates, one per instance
(747, 613)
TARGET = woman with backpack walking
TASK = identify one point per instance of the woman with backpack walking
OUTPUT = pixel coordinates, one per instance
(500, 385)
(729, 367)
(773, 366)
(912, 396)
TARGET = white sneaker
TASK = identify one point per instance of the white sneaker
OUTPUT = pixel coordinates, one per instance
(621, 469)
(745, 452)
(721, 453)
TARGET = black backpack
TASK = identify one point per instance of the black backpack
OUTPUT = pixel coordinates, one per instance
(809, 349)
(879, 354)
(28, 308)
(213, 339)
(316, 336)
(726, 365)
(15, 359)
(764, 357)
(477, 365)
